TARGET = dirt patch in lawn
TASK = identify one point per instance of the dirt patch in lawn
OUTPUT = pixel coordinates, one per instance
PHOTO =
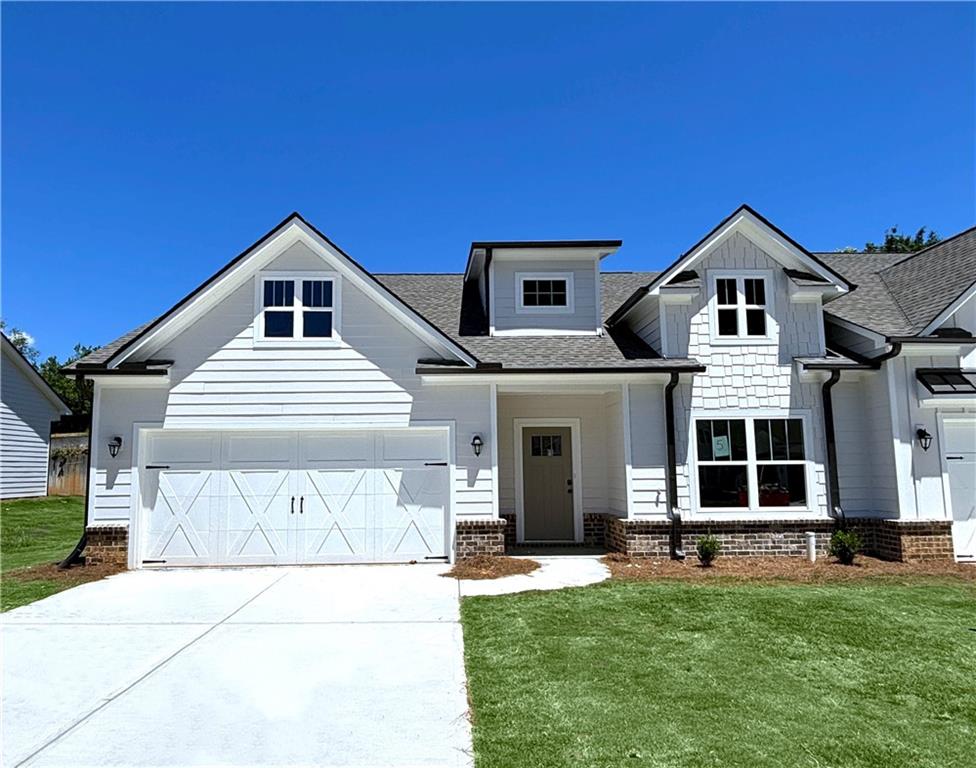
(490, 567)
(795, 569)
(68, 577)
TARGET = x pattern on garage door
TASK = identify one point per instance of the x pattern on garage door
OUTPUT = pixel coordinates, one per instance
(295, 497)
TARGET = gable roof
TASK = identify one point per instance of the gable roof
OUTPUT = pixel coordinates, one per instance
(114, 353)
(746, 219)
(25, 366)
(904, 294)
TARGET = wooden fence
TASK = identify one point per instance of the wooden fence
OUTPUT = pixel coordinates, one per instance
(67, 469)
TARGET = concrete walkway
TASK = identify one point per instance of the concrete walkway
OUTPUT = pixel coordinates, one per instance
(557, 571)
(327, 666)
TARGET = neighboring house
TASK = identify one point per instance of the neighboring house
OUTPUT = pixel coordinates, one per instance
(297, 409)
(27, 408)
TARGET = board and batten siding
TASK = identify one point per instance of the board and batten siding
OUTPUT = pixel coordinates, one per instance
(585, 316)
(752, 379)
(220, 381)
(25, 431)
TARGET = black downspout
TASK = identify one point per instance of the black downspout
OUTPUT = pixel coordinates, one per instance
(833, 479)
(677, 552)
(75, 556)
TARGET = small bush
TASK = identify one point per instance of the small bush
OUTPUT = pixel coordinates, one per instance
(844, 545)
(708, 548)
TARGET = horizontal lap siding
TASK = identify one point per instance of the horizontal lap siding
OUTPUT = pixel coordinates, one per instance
(648, 451)
(25, 428)
(616, 464)
(219, 380)
(584, 317)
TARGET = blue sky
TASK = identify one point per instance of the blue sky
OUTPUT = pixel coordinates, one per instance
(145, 145)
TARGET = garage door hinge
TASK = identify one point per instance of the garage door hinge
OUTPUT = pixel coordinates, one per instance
(435, 557)
(157, 466)
(435, 463)
(152, 562)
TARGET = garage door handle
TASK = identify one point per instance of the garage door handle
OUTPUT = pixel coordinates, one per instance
(301, 506)
(954, 458)
(157, 466)
(293, 505)
(435, 463)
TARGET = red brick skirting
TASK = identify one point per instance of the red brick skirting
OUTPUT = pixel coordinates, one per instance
(479, 537)
(107, 545)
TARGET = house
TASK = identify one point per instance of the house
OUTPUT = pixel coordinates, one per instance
(27, 408)
(296, 408)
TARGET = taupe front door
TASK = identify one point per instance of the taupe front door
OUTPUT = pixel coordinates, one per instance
(547, 484)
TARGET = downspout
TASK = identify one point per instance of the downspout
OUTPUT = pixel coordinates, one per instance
(75, 556)
(833, 480)
(677, 553)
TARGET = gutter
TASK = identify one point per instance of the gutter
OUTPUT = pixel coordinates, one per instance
(677, 553)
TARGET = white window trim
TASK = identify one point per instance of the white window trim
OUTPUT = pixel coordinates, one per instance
(521, 309)
(740, 277)
(752, 465)
(297, 341)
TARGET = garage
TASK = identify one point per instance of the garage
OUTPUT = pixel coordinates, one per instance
(285, 498)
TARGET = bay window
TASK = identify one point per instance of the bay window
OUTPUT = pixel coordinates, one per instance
(751, 463)
(296, 308)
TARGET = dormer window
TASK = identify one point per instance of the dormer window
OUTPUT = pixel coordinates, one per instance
(298, 308)
(545, 292)
(740, 308)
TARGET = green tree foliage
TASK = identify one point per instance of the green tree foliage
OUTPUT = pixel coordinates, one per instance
(22, 340)
(896, 242)
(77, 395)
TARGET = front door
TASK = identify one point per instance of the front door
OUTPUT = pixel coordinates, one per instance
(960, 459)
(547, 484)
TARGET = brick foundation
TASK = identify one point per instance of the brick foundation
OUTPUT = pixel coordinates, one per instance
(594, 530)
(479, 537)
(905, 541)
(107, 545)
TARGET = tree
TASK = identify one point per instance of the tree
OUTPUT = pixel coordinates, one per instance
(78, 396)
(895, 242)
(23, 342)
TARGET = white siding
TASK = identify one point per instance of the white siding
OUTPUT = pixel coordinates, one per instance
(585, 316)
(645, 321)
(616, 460)
(220, 381)
(649, 457)
(589, 409)
(965, 317)
(747, 377)
(25, 431)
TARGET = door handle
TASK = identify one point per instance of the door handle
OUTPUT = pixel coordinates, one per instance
(293, 505)
(301, 506)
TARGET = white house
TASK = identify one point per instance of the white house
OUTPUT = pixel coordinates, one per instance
(27, 408)
(296, 408)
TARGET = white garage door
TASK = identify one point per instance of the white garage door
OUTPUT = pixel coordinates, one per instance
(960, 461)
(294, 497)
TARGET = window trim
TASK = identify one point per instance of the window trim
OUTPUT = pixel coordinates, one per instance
(740, 276)
(298, 340)
(568, 309)
(752, 464)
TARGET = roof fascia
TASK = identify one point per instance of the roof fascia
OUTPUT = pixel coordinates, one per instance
(24, 365)
(949, 311)
(294, 229)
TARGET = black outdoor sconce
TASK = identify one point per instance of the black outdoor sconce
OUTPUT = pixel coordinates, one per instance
(114, 446)
(476, 444)
(924, 438)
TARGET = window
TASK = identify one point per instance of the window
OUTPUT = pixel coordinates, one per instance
(296, 308)
(751, 463)
(547, 445)
(545, 293)
(740, 308)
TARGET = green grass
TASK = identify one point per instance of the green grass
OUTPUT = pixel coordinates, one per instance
(680, 675)
(36, 532)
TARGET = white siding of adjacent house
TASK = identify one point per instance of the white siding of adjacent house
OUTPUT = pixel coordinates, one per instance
(585, 316)
(745, 378)
(220, 381)
(25, 430)
(591, 410)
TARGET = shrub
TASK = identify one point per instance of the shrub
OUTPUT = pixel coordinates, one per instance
(708, 548)
(844, 545)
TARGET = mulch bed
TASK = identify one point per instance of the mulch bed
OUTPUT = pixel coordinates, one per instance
(792, 569)
(69, 577)
(490, 567)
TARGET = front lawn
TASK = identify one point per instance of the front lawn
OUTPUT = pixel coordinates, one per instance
(35, 534)
(667, 673)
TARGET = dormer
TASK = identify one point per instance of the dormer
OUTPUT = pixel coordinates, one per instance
(539, 288)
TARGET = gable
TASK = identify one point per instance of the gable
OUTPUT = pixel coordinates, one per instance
(300, 246)
(30, 381)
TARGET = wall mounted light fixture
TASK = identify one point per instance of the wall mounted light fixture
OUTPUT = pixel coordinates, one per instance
(114, 446)
(476, 444)
(924, 438)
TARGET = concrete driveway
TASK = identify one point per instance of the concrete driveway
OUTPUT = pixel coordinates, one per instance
(328, 666)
